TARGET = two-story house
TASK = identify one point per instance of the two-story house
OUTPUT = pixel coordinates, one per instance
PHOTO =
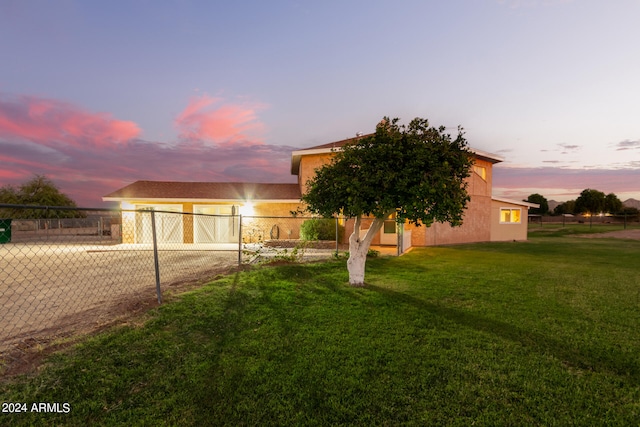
(487, 218)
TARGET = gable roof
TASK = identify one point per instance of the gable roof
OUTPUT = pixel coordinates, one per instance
(328, 148)
(205, 191)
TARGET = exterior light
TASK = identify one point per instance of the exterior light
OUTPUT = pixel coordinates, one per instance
(247, 209)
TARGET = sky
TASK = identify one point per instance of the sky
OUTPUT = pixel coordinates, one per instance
(98, 94)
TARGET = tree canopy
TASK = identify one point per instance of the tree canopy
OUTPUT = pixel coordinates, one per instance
(38, 191)
(568, 207)
(417, 172)
(612, 204)
(590, 201)
(540, 200)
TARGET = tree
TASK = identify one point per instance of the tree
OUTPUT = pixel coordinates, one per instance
(612, 204)
(590, 201)
(568, 207)
(417, 172)
(540, 200)
(38, 191)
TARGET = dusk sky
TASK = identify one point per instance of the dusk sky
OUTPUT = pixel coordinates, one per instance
(98, 94)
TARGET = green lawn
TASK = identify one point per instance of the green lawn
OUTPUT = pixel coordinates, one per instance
(543, 332)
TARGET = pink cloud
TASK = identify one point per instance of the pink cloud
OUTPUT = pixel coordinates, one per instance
(52, 123)
(89, 155)
(205, 118)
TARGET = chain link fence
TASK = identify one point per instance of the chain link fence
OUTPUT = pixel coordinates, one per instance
(291, 238)
(621, 220)
(65, 271)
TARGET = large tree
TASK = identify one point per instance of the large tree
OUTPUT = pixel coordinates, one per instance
(590, 201)
(540, 200)
(612, 204)
(39, 191)
(417, 172)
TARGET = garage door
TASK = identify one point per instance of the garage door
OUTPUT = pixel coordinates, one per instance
(216, 225)
(168, 225)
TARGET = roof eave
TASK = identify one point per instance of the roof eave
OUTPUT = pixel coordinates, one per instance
(515, 202)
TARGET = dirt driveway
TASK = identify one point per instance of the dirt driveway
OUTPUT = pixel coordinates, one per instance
(48, 291)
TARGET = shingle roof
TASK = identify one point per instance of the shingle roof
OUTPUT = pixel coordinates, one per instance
(162, 190)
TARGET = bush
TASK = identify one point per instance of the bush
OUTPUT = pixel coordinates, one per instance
(321, 229)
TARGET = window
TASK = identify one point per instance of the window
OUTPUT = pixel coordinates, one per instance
(390, 224)
(480, 171)
(509, 216)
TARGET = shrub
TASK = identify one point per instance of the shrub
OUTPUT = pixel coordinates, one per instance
(321, 229)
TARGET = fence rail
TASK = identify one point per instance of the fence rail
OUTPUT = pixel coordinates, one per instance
(70, 270)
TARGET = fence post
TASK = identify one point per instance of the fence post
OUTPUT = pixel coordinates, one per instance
(239, 240)
(337, 236)
(155, 256)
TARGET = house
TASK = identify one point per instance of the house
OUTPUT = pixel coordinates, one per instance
(486, 219)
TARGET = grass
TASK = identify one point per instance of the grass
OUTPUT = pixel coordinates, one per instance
(542, 332)
(571, 229)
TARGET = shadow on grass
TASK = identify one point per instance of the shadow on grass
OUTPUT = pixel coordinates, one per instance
(580, 358)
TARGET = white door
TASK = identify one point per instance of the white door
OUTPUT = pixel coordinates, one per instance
(168, 224)
(216, 224)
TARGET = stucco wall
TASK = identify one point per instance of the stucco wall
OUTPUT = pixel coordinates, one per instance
(273, 221)
(505, 232)
(475, 227)
(477, 186)
(476, 223)
(308, 165)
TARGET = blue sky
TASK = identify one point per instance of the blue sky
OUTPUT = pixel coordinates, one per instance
(99, 94)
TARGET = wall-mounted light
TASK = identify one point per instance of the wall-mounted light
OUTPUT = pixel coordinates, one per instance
(247, 209)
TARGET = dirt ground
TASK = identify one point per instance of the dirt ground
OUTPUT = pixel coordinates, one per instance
(54, 292)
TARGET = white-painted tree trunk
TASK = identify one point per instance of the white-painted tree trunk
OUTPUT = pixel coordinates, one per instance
(358, 249)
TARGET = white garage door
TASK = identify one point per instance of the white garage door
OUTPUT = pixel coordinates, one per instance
(168, 225)
(216, 225)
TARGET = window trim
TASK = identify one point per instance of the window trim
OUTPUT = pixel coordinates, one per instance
(511, 210)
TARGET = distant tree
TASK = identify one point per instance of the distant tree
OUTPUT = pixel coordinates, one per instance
(612, 204)
(590, 201)
(568, 207)
(9, 195)
(417, 172)
(38, 191)
(540, 200)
